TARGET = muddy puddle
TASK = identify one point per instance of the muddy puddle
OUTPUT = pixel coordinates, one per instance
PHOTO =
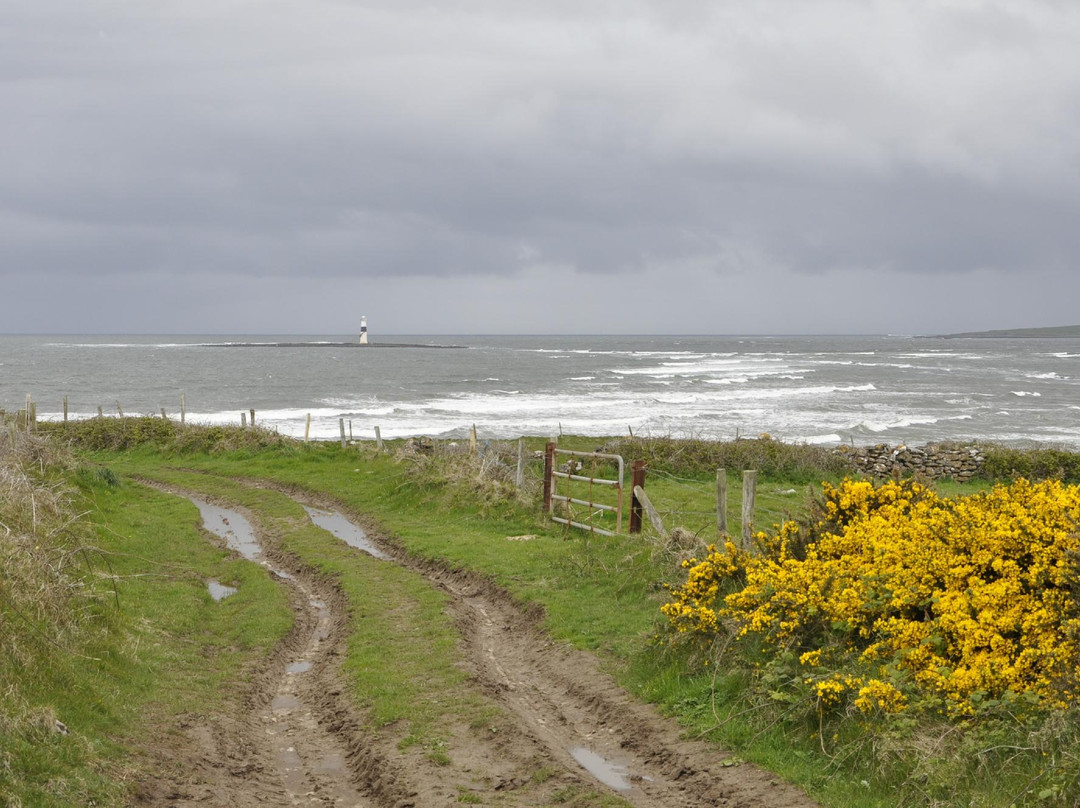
(233, 529)
(342, 528)
(238, 535)
(219, 591)
(612, 775)
(310, 763)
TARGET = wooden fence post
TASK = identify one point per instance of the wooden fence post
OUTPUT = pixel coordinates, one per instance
(637, 481)
(350, 431)
(252, 411)
(183, 408)
(519, 478)
(341, 426)
(749, 491)
(378, 439)
(243, 420)
(549, 467)
(307, 428)
(65, 409)
(472, 440)
(721, 502)
(654, 517)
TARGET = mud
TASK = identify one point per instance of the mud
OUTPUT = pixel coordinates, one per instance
(562, 723)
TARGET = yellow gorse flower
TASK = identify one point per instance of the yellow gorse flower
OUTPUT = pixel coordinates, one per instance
(964, 599)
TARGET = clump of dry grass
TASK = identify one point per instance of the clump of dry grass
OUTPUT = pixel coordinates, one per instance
(122, 434)
(46, 589)
(486, 479)
(790, 461)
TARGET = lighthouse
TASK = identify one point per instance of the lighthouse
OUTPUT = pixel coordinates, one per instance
(363, 329)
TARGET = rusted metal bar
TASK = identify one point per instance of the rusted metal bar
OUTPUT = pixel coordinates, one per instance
(549, 470)
(600, 506)
(599, 480)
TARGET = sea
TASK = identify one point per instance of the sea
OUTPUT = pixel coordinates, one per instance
(815, 389)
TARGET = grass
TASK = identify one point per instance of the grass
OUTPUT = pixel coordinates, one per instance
(598, 593)
(403, 661)
(138, 654)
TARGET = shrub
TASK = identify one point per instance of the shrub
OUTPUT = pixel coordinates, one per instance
(896, 596)
(792, 461)
(123, 434)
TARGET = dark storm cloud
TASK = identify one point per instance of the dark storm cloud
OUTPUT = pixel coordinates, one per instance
(399, 139)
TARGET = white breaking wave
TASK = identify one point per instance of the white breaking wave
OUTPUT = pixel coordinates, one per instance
(909, 421)
(1023, 393)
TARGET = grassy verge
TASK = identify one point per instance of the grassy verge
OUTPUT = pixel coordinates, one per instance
(127, 646)
(403, 663)
(604, 594)
(598, 593)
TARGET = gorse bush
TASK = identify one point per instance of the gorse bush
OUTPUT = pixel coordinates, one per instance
(891, 616)
(896, 597)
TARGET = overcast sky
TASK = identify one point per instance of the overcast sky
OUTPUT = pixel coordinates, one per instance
(519, 166)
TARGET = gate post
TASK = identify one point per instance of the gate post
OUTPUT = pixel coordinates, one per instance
(638, 477)
(549, 467)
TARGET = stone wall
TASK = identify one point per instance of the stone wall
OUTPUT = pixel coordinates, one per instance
(932, 461)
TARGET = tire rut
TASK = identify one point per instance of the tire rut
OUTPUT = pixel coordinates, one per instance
(570, 714)
(293, 739)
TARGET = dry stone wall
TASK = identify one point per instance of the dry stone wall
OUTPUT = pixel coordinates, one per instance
(932, 461)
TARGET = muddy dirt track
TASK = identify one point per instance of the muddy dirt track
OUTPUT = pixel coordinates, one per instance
(564, 729)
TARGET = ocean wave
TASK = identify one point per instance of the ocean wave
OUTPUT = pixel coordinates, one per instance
(1023, 393)
(822, 439)
(912, 420)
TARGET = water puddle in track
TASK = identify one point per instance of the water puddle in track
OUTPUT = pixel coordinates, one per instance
(353, 535)
(306, 759)
(233, 528)
(218, 591)
(238, 535)
(610, 774)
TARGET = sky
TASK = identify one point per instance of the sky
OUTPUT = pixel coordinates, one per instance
(539, 166)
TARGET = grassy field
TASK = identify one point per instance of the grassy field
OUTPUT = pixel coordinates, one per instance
(598, 593)
(137, 640)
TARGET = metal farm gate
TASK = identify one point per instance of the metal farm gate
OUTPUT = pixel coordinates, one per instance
(551, 495)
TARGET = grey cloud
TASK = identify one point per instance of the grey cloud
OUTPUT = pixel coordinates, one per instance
(398, 139)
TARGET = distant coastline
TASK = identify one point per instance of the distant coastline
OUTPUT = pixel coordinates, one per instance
(326, 345)
(1056, 332)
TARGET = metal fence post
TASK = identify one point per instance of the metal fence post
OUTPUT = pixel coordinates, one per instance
(549, 467)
